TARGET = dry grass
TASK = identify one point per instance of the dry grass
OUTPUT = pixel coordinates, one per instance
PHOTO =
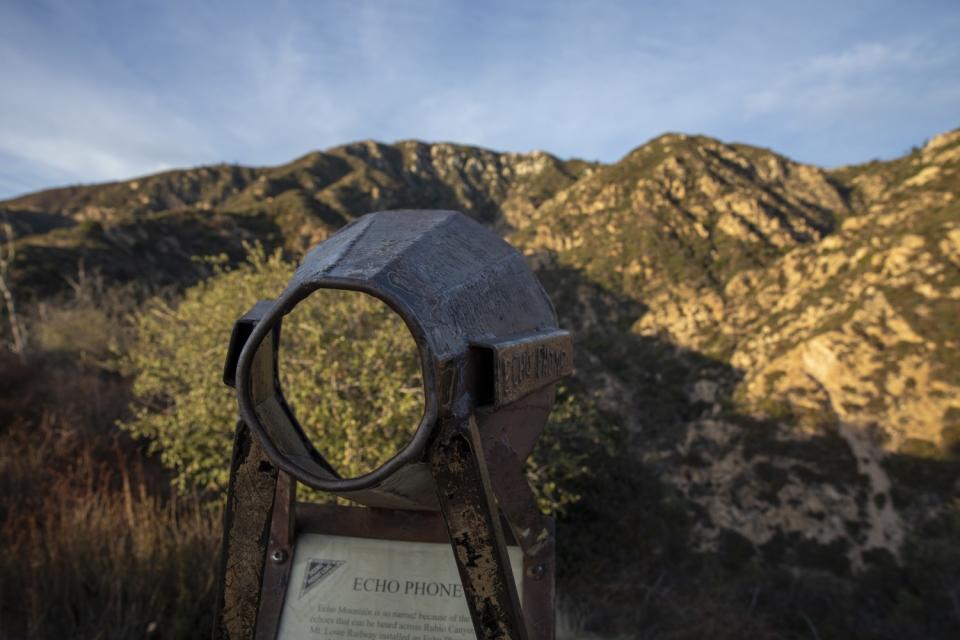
(94, 543)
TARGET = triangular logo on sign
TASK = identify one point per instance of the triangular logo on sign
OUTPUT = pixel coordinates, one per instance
(316, 571)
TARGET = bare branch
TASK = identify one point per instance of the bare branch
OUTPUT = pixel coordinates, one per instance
(7, 254)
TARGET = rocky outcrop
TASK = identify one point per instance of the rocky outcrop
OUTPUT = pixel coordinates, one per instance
(780, 340)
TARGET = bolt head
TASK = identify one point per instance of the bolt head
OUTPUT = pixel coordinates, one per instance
(278, 555)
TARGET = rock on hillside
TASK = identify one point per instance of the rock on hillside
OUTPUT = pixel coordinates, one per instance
(685, 210)
(850, 340)
(779, 339)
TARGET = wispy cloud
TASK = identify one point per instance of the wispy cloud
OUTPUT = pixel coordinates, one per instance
(862, 101)
(107, 90)
(867, 57)
(858, 76)
(78, 122)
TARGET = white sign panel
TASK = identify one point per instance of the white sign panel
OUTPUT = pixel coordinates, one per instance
(344, 588)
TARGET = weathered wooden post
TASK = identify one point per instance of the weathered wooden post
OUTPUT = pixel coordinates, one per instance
(490, 353)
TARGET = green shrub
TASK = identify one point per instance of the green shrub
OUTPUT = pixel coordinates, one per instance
(576, 438)
(349, 369)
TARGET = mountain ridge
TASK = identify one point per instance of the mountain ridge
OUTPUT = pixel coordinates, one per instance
(776, 337)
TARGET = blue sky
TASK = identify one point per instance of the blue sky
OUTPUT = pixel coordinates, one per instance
(101, 90)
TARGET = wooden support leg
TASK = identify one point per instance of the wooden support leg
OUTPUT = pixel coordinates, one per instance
(276, 570)
(246, 531)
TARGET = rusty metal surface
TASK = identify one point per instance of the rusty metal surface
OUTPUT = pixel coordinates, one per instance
(279, 560)
(539, 588)
(455, 284)
(242, 329)
(473, 524)
(246, 522)
(362, 522)
(518, 503)
(520, 365)
(490, 354)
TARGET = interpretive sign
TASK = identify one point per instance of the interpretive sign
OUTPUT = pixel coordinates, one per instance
(360, 588)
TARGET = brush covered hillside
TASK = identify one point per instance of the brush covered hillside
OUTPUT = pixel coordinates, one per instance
(778, 343)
